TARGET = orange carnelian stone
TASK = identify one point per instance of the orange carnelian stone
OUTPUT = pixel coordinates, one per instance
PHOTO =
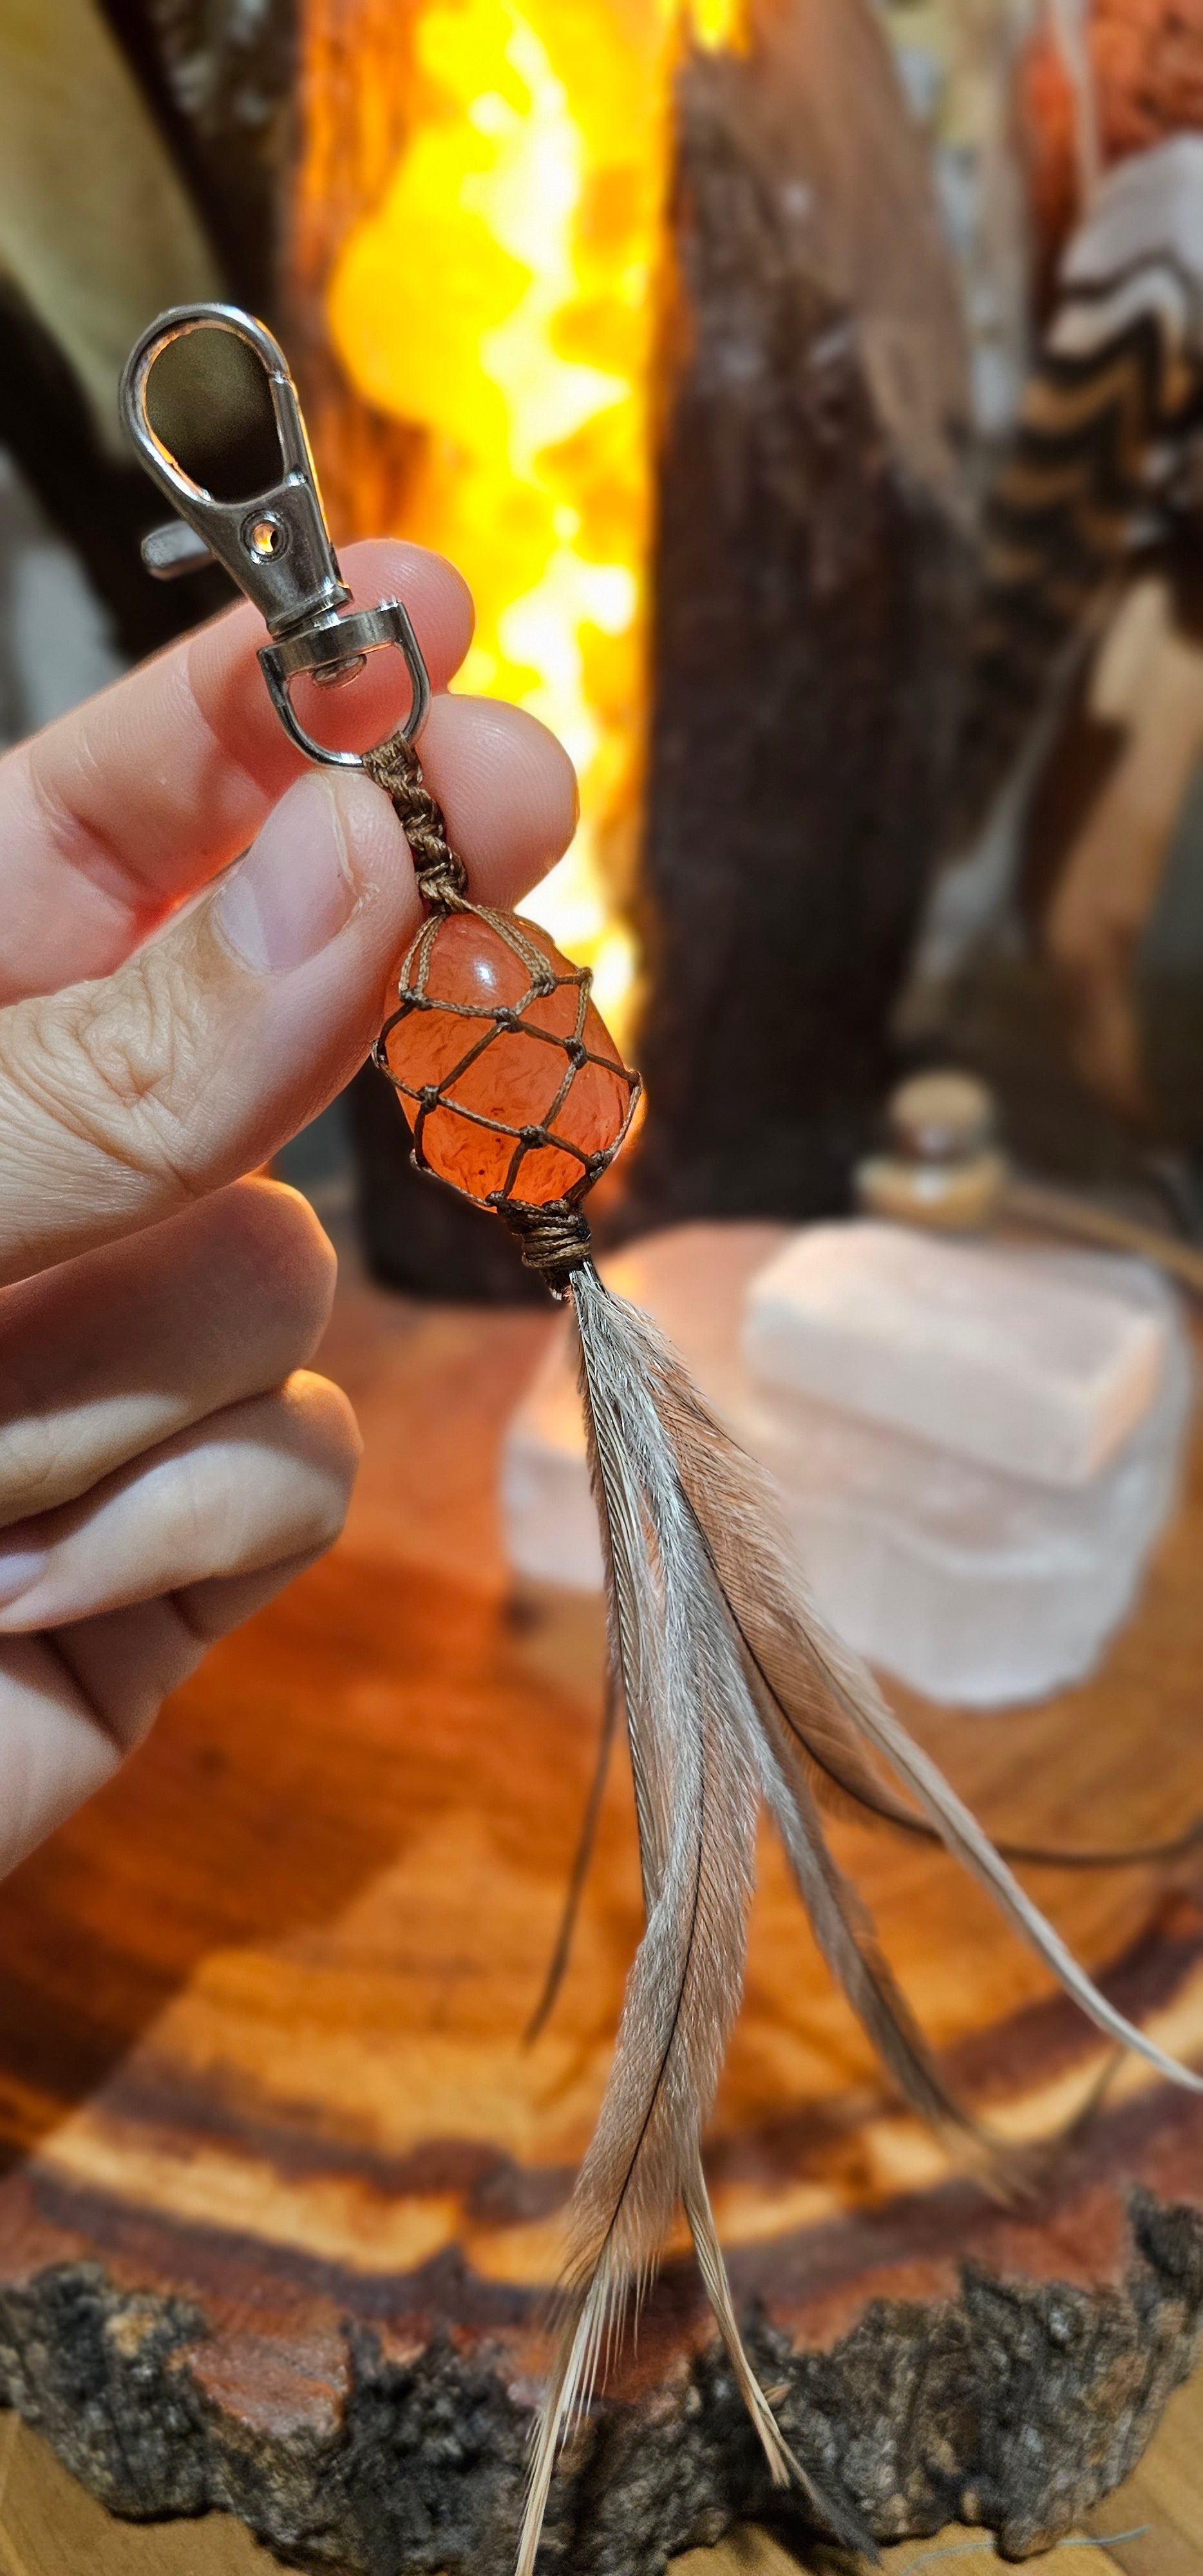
(515, 1078)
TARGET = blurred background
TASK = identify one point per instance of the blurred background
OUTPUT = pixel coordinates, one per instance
(846, 533)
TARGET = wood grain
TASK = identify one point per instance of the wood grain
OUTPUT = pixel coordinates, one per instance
(260, 2024)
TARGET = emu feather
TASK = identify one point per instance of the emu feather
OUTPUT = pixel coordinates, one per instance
(734, 1695)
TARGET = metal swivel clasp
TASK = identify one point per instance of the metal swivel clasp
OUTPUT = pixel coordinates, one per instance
(276, 546)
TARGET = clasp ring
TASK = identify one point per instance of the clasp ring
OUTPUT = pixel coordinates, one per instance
(274, 545)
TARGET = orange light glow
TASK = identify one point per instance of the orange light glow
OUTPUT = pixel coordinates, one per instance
(498, 294)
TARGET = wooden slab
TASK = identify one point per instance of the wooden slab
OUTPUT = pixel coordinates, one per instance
(281, 2186)
(50, 2526)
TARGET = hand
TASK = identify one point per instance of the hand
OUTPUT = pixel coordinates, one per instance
(167, 1461)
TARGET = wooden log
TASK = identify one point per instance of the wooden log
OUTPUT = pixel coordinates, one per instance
(282, 2190)
(809, 597)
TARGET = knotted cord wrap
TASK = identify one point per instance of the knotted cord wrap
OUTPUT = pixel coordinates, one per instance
(555, 1239)
(553, 1234)
(440, 871)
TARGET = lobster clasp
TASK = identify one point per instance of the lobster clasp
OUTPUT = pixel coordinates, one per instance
(275, 545)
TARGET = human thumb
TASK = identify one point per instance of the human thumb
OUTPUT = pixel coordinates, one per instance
(124, 1099)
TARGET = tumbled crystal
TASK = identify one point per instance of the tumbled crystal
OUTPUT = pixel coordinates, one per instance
(498, 1069)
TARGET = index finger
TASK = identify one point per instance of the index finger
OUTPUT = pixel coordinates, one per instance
(114, 814)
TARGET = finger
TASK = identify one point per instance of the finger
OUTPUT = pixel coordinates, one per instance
(55, 1748)
(123, 1665)
(134, 800)
(75, 1702)
(109, 1355)
(127, 1662)
(210, 1610)
(263, 1482)
(507, 789)
(123, 1100)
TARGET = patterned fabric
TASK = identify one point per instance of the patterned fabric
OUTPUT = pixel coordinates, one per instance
(1100, 455)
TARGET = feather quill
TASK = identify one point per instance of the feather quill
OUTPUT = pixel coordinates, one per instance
(581, 1858)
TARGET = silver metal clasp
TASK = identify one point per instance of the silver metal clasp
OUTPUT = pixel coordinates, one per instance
(276, 546)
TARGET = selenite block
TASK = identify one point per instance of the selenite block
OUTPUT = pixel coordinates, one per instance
(976, 1586)
(983, 1350)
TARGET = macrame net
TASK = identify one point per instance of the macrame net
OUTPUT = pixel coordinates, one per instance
(554, 1233)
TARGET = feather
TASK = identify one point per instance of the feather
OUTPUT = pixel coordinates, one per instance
(581, 1860)
(835, 1797)
(845, 1934)
(692, 1731)
(827, 1697)
(839, 2518)
(847, 1786)
(733, 1693)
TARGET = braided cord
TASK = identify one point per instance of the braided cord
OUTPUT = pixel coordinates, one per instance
(440, 871)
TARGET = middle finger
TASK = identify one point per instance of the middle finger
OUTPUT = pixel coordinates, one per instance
(117, 1351)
